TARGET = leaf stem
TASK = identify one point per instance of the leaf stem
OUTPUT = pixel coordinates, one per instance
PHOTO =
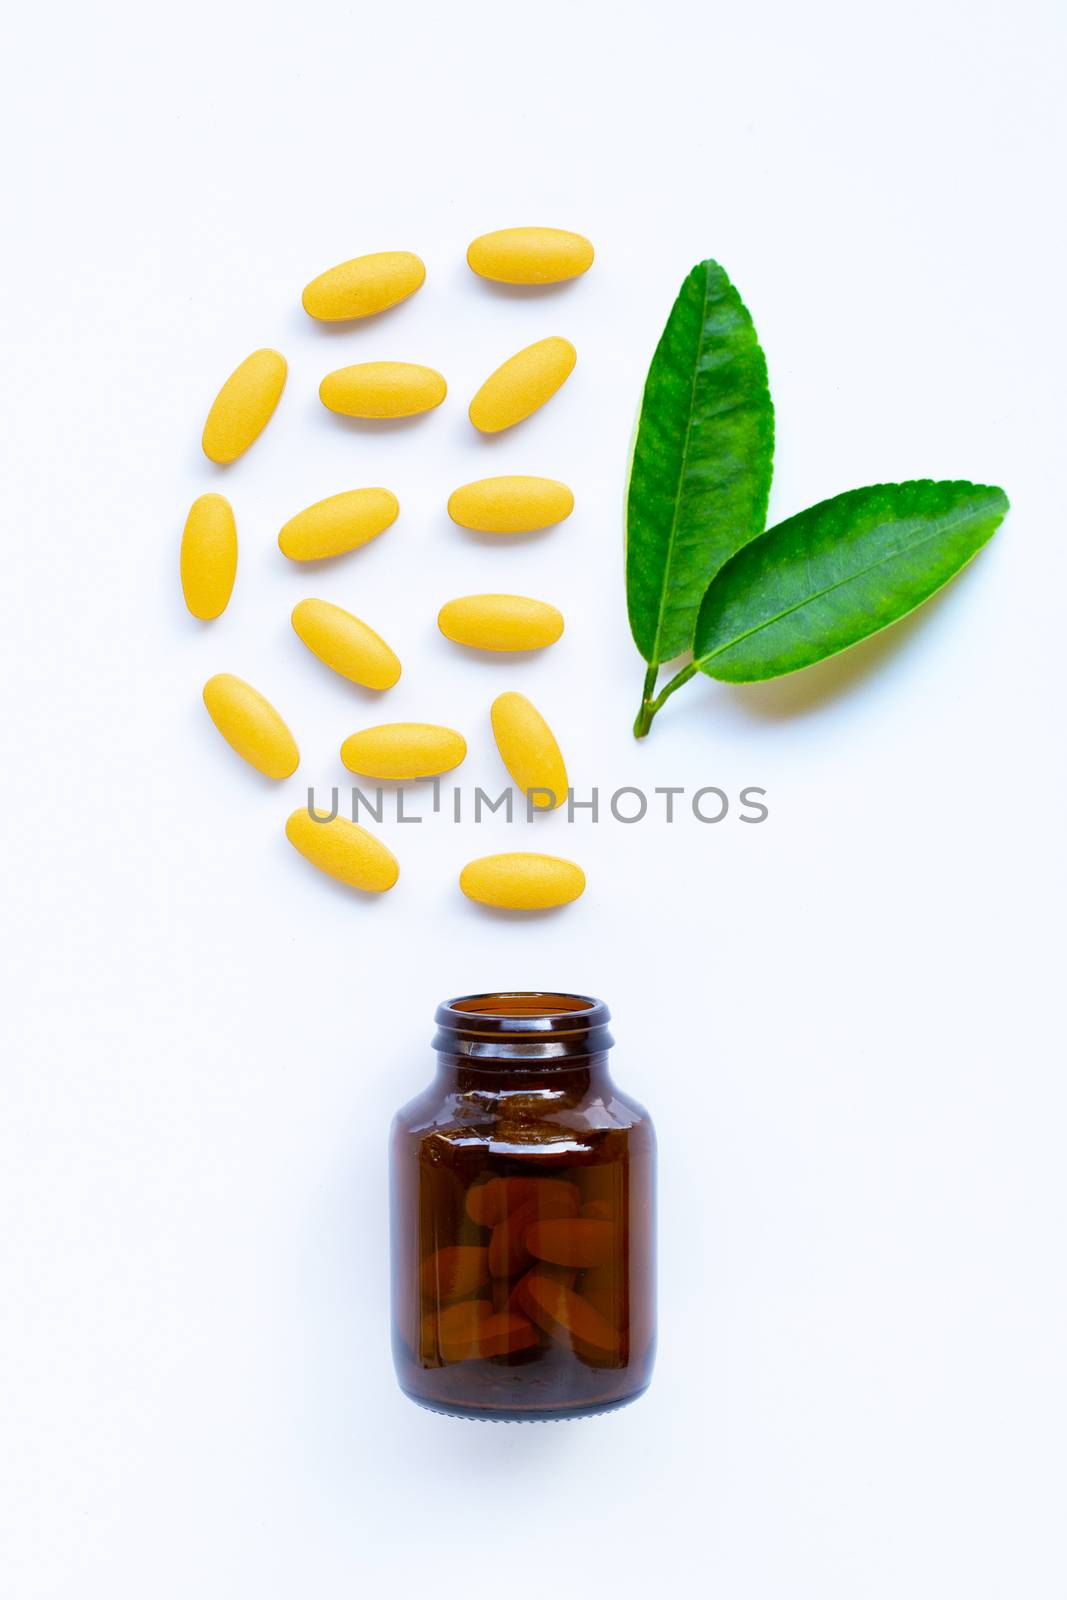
(675, 683)
(650, 705)
(644, 716)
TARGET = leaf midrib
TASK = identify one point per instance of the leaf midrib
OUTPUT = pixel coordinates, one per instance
(657, 637)
(810, 599)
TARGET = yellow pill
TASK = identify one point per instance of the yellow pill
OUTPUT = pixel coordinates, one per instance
(500, 622)
(244, 405)
(341, 523)
(510, 505)
(344, 850)
(377, 389)
(251, 726)
(209, 556)
(346, 644)
(363, 286)
(522, 384)
(529, 750)
(522, 881)
(530, 255)
(400, 750)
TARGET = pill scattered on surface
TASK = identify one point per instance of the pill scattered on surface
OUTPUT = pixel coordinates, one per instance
(251, 726)
(500, 622)
(363, 286)
(522, 881)
(402, 750)
(529, 750)
(382, 389)
(510, 505)
(571, 1242)
(338, 524)
(244, 405)
(455, 1271)
(209, 556)
(343, 850)
(530, 255)
(523, 384)
(346, 644)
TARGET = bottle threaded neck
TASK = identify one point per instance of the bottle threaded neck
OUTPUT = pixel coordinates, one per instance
(523, 1025)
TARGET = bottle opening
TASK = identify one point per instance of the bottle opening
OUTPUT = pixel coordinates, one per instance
(523, 1005)
(523, 1023)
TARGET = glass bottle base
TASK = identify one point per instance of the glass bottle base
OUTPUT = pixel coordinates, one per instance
(503, 1414)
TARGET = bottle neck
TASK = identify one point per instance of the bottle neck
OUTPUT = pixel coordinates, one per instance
(504, 1078)
(533, 1044)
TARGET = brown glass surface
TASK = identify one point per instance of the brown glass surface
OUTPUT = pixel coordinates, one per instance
(523, 1217)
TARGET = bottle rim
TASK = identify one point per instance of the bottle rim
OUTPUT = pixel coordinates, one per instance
(523, 1024)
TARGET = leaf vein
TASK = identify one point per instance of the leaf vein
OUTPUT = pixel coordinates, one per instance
(820, 594)
(678, 495)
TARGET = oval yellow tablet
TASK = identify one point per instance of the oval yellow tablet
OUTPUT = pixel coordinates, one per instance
(400, 750)
(363, 286)
(341, 523)
(522, 881)
(244, 405)
(251, 726)
(344, 850)
(522, 384)
(500, 622)
(529, 750)
(510, 505)
(379, 389)
(346, 644)
(530, 255)
(209, 556)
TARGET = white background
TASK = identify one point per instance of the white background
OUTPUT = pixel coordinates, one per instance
(845, 1021)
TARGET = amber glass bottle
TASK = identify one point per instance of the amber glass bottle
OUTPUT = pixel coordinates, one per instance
(523, 1217)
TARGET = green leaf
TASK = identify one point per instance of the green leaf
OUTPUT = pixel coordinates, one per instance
(702, 462)
(842, 570)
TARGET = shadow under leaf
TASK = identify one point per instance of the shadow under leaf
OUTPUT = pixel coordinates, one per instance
(812, 688)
